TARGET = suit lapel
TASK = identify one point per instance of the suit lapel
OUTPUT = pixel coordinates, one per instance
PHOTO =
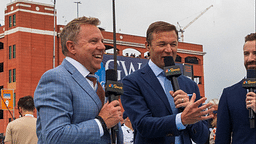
(148, 75)
(78, 77)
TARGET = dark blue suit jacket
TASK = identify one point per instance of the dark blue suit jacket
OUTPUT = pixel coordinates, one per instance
(233, 117)
(148, 108)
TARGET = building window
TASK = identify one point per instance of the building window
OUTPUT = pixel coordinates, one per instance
(1, 45)
(14, 51)
(1, 67)
(198, 80)
(10, 76)
(14, 20)
(10, 21)
(14, 75)
(192, 60)
(10, 52)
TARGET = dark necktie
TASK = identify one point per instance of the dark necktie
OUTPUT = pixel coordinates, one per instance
(99, 90)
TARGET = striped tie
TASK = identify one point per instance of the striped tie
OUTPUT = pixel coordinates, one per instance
(99, 90)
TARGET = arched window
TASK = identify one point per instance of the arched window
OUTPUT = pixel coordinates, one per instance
(110, 49)
(178, 58)
(131, 52)
(146, 55)
(192, 60)
(1, 45)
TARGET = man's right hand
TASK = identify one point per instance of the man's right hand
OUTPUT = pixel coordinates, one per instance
(111, 113)
(192, 113)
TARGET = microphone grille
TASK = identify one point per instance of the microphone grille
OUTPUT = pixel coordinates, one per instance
(251, 73)
(168, 61)
(111, 74)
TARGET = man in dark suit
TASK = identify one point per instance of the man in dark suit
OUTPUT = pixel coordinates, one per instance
(151, 108)
(70, 107)
(233, 123)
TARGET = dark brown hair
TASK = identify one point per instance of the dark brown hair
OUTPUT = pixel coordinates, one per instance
(159, 26)
(250, 37)
(27, 103)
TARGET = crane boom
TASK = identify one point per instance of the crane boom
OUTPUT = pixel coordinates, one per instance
(183, 30)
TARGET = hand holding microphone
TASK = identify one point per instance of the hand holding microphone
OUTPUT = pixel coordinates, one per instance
(113, 90)
(172, 72)
(251, 101)
(111, 111)
(250, 84)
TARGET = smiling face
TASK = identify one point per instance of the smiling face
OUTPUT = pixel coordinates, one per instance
(162, 44)
(250, 55)
(88, 48)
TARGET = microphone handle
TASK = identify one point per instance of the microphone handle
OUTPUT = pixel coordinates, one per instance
(251, 114)
(114, 130)
(175, 86)
(175, 83)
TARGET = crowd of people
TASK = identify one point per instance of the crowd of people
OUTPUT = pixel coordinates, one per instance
(71, 105)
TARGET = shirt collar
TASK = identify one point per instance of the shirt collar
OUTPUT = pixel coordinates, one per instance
(78, 66)
(157, 70)
(29, 115)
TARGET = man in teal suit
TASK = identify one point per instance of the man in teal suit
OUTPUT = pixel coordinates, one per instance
(68, 107)
(233, 116)
(149, 104)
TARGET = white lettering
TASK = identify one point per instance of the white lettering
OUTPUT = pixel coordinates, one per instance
(124, 67)
(132, 69)
(119, 72)
(107, 64)
(139, 65)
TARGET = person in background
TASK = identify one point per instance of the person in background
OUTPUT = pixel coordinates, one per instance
(213, 130)
(215, 103)
(127, 129)
(152, 106)
(69, 100)
(23, 129)
(233, 115)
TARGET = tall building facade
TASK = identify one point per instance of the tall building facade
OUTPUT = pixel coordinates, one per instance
(27, 45)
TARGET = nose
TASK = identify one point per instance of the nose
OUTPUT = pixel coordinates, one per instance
(168, 48)
(252, 57)
(101, 46)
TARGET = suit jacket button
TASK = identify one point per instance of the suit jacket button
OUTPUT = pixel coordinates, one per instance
(169, 135)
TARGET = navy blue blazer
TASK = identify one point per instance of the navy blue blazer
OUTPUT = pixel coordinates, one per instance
(233, 117)
(148, 108)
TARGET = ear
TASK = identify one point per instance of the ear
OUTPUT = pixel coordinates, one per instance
(71, 47)
(147, 45)
(20, 111)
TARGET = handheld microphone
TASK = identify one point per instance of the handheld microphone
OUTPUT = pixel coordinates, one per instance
(112, 90)
(172, 71)
(112, 87)
(250, 83)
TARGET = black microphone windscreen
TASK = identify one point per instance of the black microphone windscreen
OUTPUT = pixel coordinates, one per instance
(168, 61)
(251, 73)
(111, 74)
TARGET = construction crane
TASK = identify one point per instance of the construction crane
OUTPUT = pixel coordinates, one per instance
(183, 30)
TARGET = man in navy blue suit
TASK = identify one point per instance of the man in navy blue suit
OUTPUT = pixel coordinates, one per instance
(233, 122)
(152, 108)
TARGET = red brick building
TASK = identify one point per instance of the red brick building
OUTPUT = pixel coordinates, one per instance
(26, 50)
